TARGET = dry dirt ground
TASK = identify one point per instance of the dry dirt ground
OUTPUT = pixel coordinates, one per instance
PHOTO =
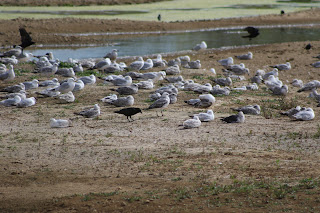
(151, 164)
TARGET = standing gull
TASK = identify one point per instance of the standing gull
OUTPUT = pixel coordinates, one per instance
(161, 103)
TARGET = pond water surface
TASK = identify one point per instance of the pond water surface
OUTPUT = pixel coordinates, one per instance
(181, 41)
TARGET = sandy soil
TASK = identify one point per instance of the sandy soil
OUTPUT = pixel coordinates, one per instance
(152, 165)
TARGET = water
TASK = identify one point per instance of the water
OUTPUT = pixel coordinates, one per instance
(174, 42)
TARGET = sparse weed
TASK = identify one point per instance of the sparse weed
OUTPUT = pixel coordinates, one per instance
(64, 64)
(199, 77)
(317, 134)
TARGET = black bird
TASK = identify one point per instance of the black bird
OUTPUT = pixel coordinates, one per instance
(282, 12)
(26, 39)
(308, 46)
(159, 17)
(130, 111)
(253, 32)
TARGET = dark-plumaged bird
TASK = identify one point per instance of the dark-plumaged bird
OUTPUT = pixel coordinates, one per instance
(308, 46)
(130, 111)
(282, 12)
(253, 32)
(159, 17)
(26, 39)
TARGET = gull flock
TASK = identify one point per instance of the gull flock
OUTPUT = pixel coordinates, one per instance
(139, 75)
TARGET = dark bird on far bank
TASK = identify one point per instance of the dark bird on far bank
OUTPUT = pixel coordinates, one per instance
(26, 39)
(282, 12)
(308, 46)
(253, 32)
(159, 17)
(130, 111)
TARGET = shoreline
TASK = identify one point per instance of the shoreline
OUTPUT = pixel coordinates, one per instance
(42, 33)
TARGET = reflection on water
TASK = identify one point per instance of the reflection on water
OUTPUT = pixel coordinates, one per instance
(186, 41)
